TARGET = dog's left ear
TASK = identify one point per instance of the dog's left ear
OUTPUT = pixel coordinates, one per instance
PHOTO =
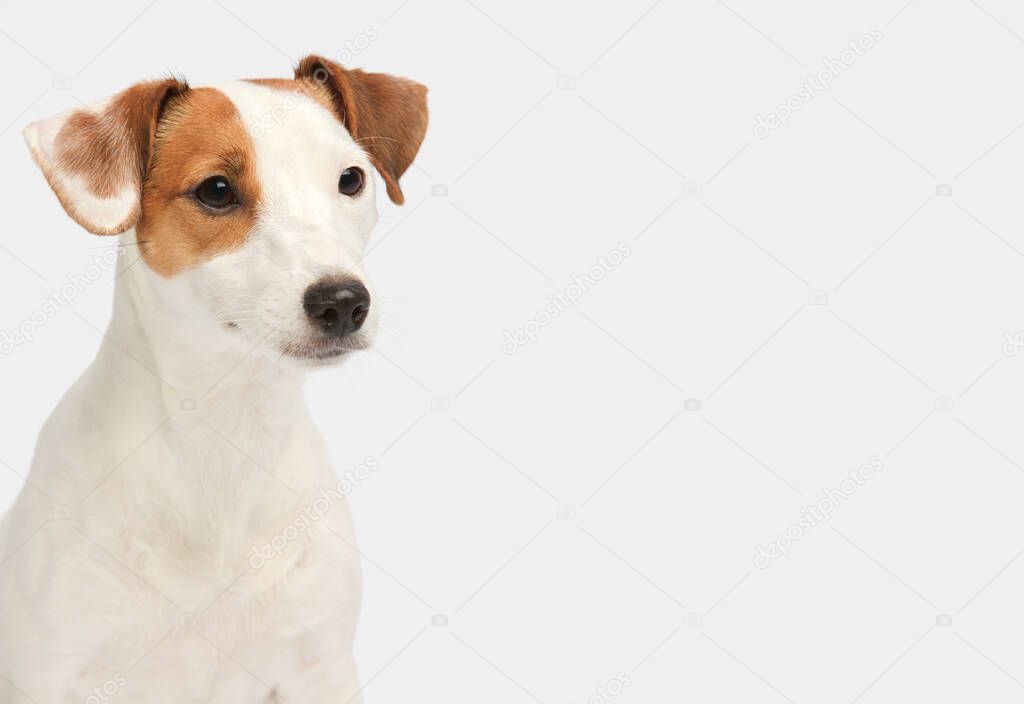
(95, 158)
(385, 114)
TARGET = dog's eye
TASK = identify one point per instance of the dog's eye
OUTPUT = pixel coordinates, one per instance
(351, 181)
(215, 192)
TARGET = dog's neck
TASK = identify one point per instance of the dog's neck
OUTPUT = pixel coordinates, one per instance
(166, 360)
(182, 358)
(220, 422)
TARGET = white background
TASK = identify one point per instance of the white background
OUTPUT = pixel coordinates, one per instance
(818, 294)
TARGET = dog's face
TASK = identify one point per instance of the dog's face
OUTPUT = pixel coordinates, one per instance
(252, 201)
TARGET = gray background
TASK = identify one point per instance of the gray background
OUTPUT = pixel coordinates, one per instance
(848, 287)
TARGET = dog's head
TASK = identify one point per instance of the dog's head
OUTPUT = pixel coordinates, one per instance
(252, 201)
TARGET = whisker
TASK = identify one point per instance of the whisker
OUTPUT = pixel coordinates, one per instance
(378, 138)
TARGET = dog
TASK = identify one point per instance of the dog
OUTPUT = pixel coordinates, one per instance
(181, 536)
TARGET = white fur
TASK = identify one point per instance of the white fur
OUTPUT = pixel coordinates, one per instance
(147, 586)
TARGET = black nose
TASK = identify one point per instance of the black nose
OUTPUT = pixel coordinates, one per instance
(337, 309)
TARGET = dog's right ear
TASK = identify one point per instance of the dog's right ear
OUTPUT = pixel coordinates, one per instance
(96, 158)
(385, 114)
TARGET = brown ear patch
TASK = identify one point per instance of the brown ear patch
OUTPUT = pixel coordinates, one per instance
(95, 158)
(386, 115)
(200, 135)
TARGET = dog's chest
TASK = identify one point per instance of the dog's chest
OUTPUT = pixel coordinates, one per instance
(178, 564)
(195, 507)
(189, 632)
(192, 548)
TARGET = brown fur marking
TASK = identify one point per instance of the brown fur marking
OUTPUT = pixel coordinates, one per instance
(386, 115)
(108, 150)
(200, 135)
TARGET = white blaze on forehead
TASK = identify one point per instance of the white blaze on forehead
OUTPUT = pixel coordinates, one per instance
(264, 107)
(301, 149)
(296, 138)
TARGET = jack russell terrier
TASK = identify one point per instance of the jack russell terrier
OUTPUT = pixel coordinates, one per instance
(127, 570)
